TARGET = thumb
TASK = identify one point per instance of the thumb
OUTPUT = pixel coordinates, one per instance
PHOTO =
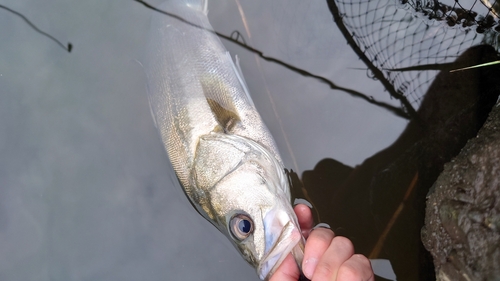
(287, 271)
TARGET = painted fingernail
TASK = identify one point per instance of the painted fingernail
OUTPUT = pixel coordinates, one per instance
(309, 266)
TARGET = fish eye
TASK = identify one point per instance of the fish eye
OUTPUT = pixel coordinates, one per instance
(241, 226)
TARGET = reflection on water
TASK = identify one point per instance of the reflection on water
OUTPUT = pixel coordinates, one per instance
(380, 204)
(67, 47)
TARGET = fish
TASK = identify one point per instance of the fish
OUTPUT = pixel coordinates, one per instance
(223, 154)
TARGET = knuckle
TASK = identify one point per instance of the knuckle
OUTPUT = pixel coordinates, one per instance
(322, 234)
(343, 244)
(358, 267)
(364, 261)
(324, 271)
(347, 272)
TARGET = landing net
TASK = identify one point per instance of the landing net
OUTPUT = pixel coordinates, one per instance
(395, 34)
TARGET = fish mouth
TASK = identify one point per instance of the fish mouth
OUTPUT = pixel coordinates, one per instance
(277, 248)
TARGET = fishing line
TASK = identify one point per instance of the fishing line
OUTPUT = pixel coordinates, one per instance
(68, 47)
(395, 110)
(271, 99)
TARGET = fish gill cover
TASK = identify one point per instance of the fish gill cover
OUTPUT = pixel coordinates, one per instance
(396, 37)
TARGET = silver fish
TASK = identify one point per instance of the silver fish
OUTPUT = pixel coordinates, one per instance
(221, 150)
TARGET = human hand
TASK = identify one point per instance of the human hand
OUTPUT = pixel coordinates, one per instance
(326, 256)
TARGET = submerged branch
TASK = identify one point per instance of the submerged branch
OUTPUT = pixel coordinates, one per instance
(381, 240)
(68, 48)
(396, 110)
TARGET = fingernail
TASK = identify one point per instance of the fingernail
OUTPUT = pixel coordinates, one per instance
(309, 266)
(322, 225)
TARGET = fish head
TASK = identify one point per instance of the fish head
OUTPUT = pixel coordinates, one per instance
(277, 233)
(250, 203)
(261, 224)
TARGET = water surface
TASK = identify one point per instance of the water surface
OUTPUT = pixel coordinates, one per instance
(86, 190)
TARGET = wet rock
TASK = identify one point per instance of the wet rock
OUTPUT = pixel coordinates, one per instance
(462, 224)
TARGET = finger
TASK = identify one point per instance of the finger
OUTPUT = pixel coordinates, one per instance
(316, 245)
(339, 251)
(287, 271)
(304, 215)
(358, 267)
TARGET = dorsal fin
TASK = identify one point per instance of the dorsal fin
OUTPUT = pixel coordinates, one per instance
(241, 78)
(148, 93)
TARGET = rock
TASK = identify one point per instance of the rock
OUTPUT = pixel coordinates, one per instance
(462, 221)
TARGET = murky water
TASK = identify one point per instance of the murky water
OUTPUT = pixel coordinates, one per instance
(86, 190)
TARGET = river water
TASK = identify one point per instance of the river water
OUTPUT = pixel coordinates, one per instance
(86, 189)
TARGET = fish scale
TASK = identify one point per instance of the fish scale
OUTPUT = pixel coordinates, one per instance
(221, 150)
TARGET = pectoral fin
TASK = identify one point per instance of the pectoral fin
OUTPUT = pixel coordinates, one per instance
(227, 117)
(219, 98)
(225, 94)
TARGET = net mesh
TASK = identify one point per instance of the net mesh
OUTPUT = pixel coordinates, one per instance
(396, 34)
